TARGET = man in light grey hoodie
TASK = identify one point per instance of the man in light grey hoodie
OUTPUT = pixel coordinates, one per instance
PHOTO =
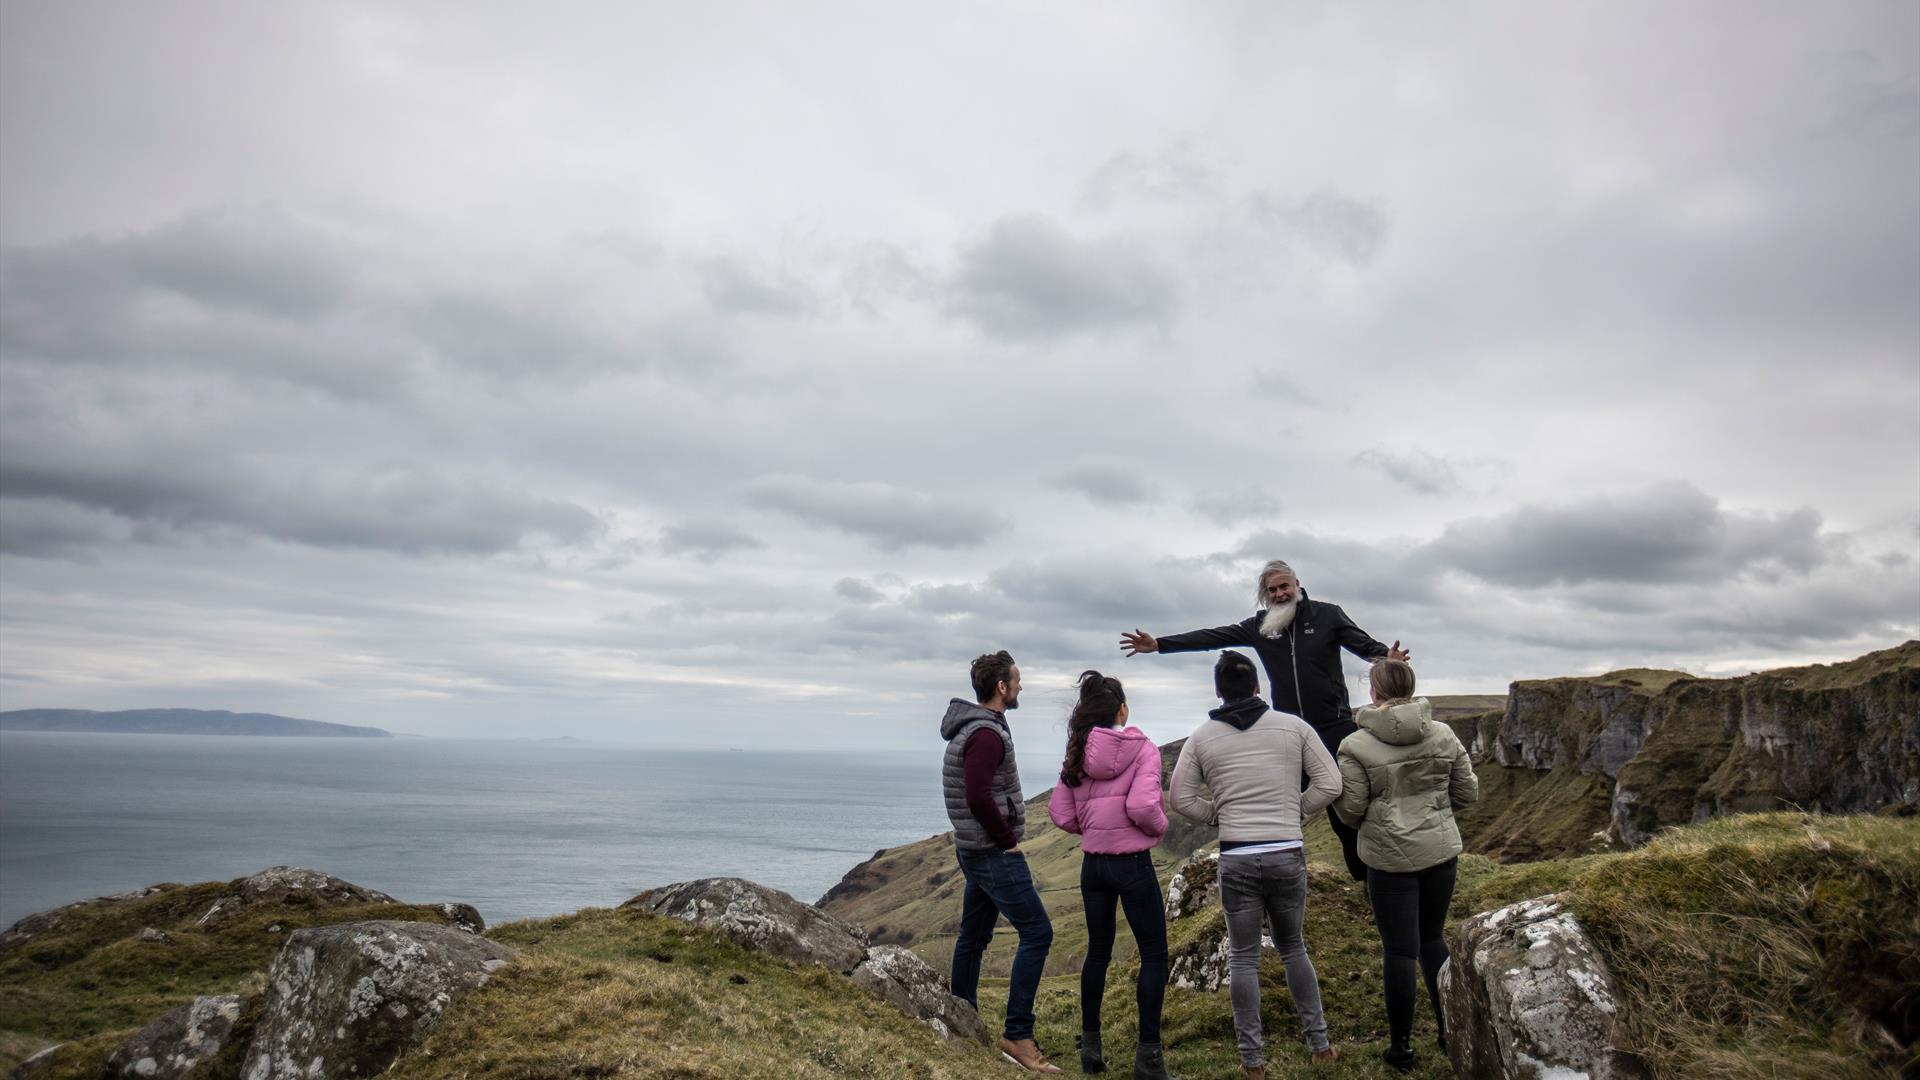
(1251, 758)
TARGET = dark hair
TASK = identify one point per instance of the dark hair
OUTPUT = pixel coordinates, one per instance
(1235, 677)
(1099, 706)
(989, 671)
(1392, 680)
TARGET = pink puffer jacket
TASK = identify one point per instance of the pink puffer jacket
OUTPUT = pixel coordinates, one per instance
(1116, 808)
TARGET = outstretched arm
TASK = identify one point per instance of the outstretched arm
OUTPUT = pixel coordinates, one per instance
(1220, 637)
(1362, 644)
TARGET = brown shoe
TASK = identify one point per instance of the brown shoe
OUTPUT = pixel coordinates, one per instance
(1026, 1054)
(1330, 1054)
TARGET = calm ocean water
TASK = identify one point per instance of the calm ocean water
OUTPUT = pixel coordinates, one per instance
(517, 829)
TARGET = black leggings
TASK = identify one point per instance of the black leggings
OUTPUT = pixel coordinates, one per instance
(1411, 913)
(1130, 882)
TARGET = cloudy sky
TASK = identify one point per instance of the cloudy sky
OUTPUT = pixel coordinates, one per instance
(732, 374)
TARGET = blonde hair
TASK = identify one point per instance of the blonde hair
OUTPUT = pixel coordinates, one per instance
(1392, 680)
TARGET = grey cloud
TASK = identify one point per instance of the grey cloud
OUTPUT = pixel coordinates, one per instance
(403, 509)
(731, 286)
(1333, 567)
(706, 541)
(1171, 176)
(857, 591)
(52, 528)
(1278, 387)
(891, 518)
(1237, 507)
(1029, 280)
(1110, 482)
(1669, 532)
(1334, 225)
(1417, 471)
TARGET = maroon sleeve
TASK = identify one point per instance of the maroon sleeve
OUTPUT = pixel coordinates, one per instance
(985, 752)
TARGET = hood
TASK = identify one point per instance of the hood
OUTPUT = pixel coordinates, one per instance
(961, 713)
(1110, 751)
(1397, 725)
(1241, 714)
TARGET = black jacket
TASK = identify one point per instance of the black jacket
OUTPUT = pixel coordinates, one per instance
(1311, 646)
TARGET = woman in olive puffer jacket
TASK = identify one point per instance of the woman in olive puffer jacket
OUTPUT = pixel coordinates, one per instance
(1403, 774)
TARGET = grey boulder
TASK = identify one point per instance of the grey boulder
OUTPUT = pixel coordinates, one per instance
(911, 985)
(288, 885)
(1527, 996)
(347, 1000)
(179, 1040)
(757, 917)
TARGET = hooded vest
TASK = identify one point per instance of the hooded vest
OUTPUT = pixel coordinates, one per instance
(962, 720)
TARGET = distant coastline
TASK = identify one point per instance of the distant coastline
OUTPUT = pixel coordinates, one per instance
(179, 722)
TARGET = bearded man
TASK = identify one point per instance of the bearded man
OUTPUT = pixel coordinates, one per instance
(1298, 641)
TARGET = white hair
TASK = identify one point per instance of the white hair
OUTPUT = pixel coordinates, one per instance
(1260, 583)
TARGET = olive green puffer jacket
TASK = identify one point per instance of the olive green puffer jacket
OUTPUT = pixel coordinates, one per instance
(1402, 776)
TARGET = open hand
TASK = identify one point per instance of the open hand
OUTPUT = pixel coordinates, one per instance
(1140, 641)
(1397, 653)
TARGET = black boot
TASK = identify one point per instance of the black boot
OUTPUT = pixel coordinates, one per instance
(1150, 1062)
(1399, 1056)
(1091, 1060)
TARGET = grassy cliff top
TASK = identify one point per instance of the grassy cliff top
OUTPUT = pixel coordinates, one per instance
(1655, 681)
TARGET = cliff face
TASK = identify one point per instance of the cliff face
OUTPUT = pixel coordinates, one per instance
(1626, 754)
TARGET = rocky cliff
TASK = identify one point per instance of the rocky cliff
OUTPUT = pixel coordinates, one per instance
(1609, 760)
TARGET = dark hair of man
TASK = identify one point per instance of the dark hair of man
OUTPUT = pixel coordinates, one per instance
(1099, 706)
(989, 671)
(1235, 677)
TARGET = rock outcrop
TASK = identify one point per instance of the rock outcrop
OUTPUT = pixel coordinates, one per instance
(42, 921)
(911, 985)
(768, 920)
(760, 918)
(346, 1000)
(1527, 997)
(181, 1040)
(288, 885)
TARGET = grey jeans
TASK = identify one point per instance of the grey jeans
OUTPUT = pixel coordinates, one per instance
(1254, 889)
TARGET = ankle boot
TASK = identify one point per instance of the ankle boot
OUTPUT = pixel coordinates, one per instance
(1150, 1062)
(1400, 1056)
(1091, 1060)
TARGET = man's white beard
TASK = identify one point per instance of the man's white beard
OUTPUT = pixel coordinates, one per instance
(1278, 618)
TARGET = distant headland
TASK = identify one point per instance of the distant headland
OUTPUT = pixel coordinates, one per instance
(179, 722)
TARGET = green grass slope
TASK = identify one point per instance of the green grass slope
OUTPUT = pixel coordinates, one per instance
(1767, 945)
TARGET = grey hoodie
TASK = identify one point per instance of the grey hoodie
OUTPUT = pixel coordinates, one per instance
(962, 720)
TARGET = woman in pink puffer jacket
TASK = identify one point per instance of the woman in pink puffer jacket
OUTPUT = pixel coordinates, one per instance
(1109, 794)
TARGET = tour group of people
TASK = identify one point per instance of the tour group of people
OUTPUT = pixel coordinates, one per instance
(1389, 777)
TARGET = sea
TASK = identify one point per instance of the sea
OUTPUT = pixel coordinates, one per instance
(518, 829)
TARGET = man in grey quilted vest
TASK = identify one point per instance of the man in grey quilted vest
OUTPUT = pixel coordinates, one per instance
(989, 813)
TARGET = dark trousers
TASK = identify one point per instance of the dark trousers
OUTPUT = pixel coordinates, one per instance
(1131, 883)
(998, 884)
(1410, 911)
(1331, 737)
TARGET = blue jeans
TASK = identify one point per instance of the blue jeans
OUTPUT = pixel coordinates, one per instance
(998, 884)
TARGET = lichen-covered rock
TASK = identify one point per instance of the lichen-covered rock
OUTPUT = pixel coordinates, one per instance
(758, 917)
(1204, 960)
(911, 985)
(42, 921)
(463, 917)
(1527, 996)
(179, 1040)
(346, 1000)
(288, 885)
(1193, 885)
